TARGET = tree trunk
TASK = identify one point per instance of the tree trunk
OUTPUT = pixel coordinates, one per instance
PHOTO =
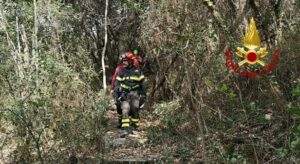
(104, 47)
(34, 37)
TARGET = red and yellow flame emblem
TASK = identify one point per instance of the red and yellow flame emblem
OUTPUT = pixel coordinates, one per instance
(251, 53)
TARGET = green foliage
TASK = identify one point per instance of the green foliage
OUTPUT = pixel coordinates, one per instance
(281, 153)
(296, 91)
(184, 152)
(46, 96)
(171, 115)
(295, 111)
(157, 135)
(136, 5)
(172, 128)
(236, 158)
(165, 109)
(167, 155)
(60, 110)
(230, 110)
(227, 91)
(49, 100)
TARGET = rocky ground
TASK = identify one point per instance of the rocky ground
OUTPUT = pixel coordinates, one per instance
(134, 147)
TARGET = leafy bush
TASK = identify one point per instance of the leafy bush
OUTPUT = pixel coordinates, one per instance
(62, 115)
(294, 109)
(46, 96)
(184, 153)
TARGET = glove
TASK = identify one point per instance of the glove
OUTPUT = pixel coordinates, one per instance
(122, 96)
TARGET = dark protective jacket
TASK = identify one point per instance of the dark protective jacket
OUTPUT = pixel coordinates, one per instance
(137, 63)
(130, 79)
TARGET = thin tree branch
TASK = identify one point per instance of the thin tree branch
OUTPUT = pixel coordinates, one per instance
(104, 47)
(11, 90)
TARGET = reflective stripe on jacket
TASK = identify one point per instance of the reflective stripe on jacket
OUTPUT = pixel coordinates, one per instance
(130, 79)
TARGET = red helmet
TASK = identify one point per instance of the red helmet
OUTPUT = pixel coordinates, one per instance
(130, 56)
(135, 60)
(127, 56)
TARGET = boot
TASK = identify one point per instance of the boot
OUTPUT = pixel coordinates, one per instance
(134, 122)
(125, 127)
(119, 122)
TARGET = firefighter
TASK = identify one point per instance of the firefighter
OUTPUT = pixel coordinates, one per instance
(116, 93)
(129, 85)
(136, 61)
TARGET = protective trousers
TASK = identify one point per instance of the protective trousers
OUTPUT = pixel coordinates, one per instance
(130, 109)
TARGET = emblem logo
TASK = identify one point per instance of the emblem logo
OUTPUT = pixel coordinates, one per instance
(252, 54)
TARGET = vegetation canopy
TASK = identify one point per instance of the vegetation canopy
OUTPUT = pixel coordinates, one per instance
(57, 59)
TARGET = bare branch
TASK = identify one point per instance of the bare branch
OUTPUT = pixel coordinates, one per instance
(104, 47)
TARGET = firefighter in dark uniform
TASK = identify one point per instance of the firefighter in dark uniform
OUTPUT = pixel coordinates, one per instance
(129, 85)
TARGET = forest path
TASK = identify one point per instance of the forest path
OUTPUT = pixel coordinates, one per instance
(134, 147)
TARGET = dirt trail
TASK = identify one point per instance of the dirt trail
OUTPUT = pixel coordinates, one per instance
(135, 147)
